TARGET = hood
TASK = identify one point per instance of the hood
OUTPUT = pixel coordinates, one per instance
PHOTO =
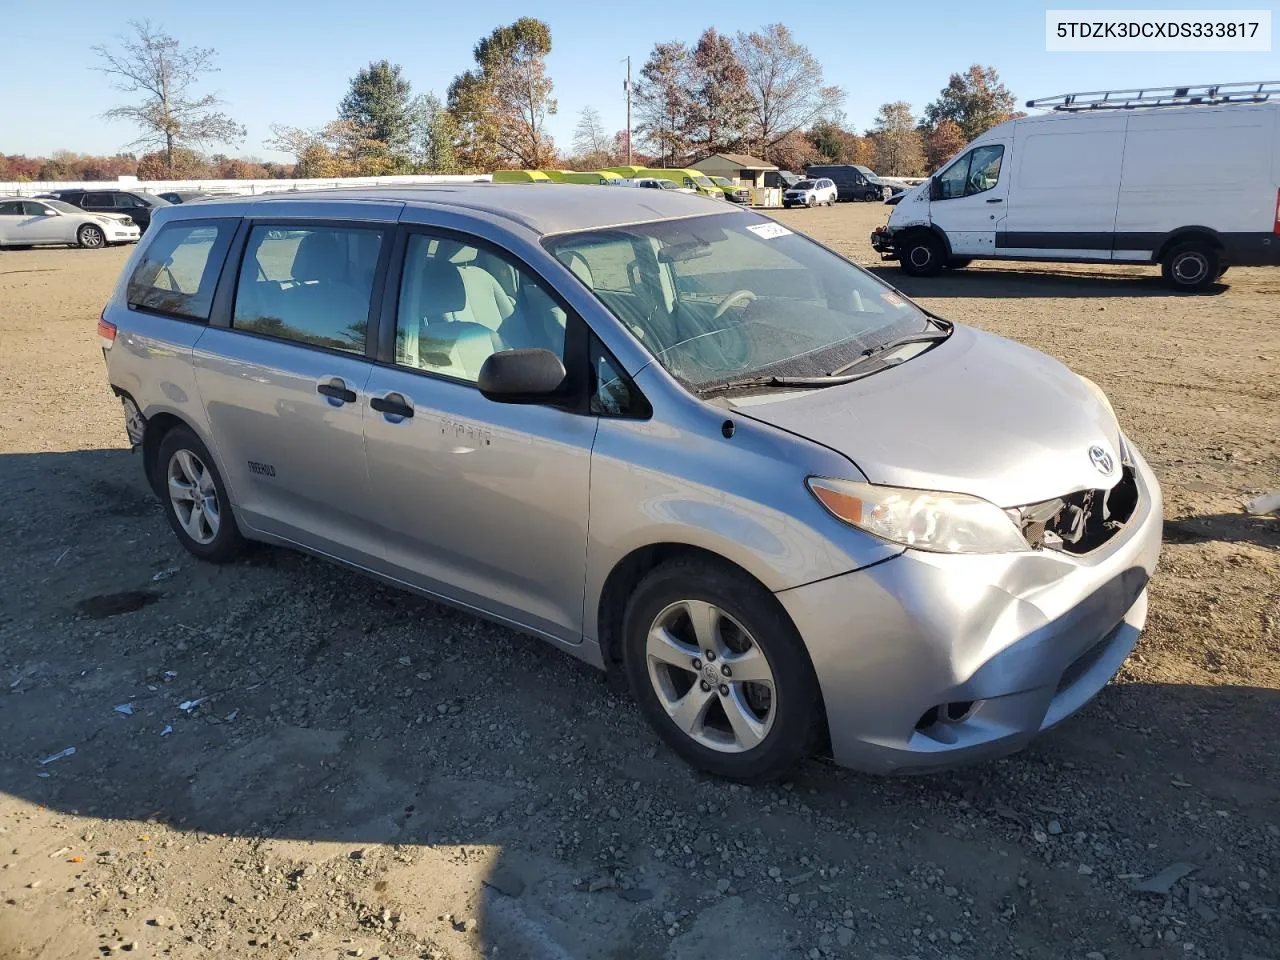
(976, 414)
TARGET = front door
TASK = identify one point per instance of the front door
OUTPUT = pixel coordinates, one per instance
(968, 200)
(483, 503)
(43, 225)
(284, 385)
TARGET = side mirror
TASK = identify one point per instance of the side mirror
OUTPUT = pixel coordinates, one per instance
(50, 212)
(935, 189)
(531, 375)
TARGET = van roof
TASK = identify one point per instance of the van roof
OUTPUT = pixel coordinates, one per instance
(543, 208)
(1197, 110)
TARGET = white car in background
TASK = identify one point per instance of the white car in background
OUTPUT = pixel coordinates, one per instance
(26, 222)
(659, 183)
(815, 192)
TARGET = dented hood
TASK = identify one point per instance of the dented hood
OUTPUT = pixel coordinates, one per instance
(977, 414)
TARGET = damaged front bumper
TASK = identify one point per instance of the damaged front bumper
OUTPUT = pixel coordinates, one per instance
(882, 243)
(928, 661)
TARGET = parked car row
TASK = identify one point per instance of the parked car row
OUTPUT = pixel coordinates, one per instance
(42, 221)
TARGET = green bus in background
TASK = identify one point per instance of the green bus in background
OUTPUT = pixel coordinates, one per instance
(682, 177)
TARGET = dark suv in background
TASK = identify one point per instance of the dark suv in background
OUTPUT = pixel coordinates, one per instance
(137, 205)
(854, 181)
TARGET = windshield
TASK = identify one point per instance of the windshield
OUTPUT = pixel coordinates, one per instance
(722, 181)
(735, 294)
(703, 181)
(805, 185)
(62, 205)
(866, 172)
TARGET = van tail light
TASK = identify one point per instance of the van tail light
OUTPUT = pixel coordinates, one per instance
(1277, 226)
(106, 331)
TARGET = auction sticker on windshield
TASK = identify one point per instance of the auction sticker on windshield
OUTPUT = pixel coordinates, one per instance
(769, 231)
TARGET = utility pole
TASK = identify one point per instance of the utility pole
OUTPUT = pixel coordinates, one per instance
(626, 85)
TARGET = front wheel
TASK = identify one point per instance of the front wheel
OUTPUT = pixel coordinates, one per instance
(1191, 267)
(195, 499)
(720, 672)
(959, 263)
(91, 237)
(922, 255)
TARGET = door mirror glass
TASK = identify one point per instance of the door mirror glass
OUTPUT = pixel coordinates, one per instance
(530, 375)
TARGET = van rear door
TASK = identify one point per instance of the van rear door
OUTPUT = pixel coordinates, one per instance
(1065, 181)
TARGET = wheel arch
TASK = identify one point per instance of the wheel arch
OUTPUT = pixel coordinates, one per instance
(930, 229)
(1184, 234)
(629, 570)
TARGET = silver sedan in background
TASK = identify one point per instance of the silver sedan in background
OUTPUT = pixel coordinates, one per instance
(25, 222)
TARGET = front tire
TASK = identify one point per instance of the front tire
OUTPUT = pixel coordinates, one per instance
(959, 263)
(1191, 267)
(720, 672)
(91, 237)
(195, 498)
(922, 256)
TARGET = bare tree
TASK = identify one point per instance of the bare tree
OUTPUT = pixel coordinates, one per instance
(662, 101)
(590, 141)
(169, 114)
(785, 81)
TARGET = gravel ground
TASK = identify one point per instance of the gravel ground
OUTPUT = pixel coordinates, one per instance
(281, 759)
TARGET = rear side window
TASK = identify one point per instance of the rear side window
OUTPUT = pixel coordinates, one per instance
(312, 285)
(97, 200)
(11, 208)
(180, 267)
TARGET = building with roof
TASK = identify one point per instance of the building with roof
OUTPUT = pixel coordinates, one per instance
(747, 170)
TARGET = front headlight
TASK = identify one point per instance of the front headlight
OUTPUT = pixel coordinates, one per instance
(920, 519)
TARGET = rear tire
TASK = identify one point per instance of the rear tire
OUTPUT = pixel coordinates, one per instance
(922, 255)
(745, 730)
(91, 237)
(195, 498)
(1191, 267)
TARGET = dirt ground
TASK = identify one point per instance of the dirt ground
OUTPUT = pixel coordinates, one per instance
(364, 773)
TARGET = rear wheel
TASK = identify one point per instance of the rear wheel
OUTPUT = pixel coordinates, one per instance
(720, 672)
(921, 255)
(91, 237)
(1191, 267)
(195, 498)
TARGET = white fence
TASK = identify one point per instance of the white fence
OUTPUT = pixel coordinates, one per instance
(252, 187)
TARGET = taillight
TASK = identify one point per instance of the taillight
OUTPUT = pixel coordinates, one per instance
(106, 332)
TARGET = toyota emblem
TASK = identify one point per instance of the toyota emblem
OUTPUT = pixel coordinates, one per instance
(1100, 459)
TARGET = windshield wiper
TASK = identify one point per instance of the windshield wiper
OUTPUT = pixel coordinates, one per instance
(811, 382)
(925, 336)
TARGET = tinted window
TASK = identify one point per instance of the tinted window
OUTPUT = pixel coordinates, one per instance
(459, 304)
(33, 209)
(310, 285)
(97, 200)
(11, 208)
(179, 268)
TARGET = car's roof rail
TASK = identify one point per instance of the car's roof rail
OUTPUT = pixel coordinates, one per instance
(1192, 95)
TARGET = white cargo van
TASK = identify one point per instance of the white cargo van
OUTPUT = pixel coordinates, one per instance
(1186, 177)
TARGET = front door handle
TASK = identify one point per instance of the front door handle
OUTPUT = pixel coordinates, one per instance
(336, 389)
(393, 405)
(996, 200)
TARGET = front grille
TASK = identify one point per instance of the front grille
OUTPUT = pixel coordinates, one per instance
(1080, 522)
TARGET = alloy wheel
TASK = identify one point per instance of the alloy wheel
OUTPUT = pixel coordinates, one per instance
(711, 677)
(193, 496)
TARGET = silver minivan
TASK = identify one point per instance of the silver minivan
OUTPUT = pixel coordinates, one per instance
(672, 437)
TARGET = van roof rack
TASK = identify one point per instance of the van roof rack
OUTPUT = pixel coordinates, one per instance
(1205, 94)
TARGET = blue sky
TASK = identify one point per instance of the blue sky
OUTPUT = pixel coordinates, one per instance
(292, 64)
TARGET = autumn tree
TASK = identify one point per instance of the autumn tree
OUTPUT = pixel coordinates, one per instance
(434, 136)
(662, 101)
(786, 85)
(592, 146)
(168, 113)
(502, 105)
(975, 101)
(379, 108)
(832, 143)
(897, 141)
(942, 143)
(720, 101)
(180, 164)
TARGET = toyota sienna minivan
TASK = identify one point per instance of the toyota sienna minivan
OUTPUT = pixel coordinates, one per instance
(671, 437)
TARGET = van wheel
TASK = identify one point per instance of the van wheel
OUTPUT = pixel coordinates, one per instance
(922, 256)
(720, 672)
(959, 263)
(195, 499)
(1222, 271)
(1191, 267)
